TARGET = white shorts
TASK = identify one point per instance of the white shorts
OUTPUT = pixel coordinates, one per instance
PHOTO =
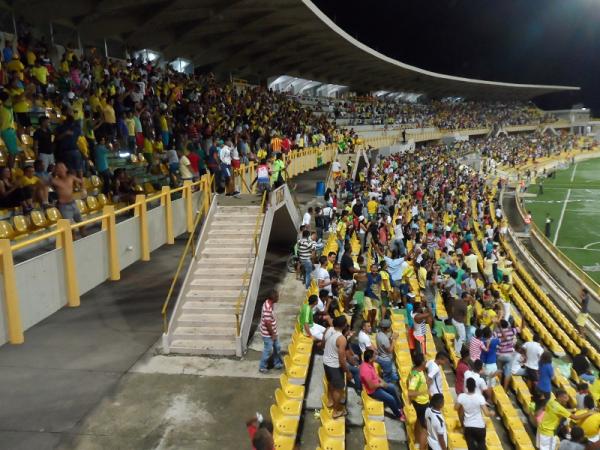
(543, 442)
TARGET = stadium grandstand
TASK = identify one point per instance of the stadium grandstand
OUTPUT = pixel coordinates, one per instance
(210, 238)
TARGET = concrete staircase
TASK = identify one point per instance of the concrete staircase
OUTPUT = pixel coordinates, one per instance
(204, 319)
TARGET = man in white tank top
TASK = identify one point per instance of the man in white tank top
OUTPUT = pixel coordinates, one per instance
(334, 362)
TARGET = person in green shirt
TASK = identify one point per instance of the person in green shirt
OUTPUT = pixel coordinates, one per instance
(277, 172)
(306, 319)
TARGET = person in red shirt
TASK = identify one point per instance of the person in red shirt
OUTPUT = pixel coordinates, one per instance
(286, 145)
(260, 432)
(377, 388)
(462, 366)
(194, 159)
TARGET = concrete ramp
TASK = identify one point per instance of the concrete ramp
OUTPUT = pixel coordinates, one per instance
(214, 309)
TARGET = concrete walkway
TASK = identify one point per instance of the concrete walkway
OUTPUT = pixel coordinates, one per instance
(91, 378)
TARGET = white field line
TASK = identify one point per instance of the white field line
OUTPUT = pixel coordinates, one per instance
(573, 173)
(580, 248)
(562, 215)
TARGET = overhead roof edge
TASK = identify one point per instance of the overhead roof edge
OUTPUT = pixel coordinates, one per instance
(536, 89)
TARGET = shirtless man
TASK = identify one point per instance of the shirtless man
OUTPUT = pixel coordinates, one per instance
(63, 183)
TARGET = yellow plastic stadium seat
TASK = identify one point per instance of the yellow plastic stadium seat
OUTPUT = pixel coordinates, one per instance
(102, 200)
(287, 406)
(20, 224)
(296, 374)
(92, 203)
(292, 391)
(38, 219)
(81, 206)
(53, 214)
(330, 443)
(283, 442)
(283, 424)
(6, 230)
(376, 443)
(374, 428)
(95, 181)
(333, 427)
(372, 407)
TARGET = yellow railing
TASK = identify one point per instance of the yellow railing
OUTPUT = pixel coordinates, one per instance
(63, 235)
(245, 276)
(581, 274)
(206, 183)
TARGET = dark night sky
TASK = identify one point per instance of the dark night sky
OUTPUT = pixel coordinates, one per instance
(525, 41)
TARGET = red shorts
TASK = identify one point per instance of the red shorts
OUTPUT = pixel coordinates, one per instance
(411, 339)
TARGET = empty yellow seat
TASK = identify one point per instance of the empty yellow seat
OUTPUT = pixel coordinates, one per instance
(20, 225)
(92, 203)
(38, 219)
(283, 442)
(53, 214)
(374, 427)
(287, 406)
(81, 205)
(330, 443)
(102, 200)
(333, 427)
(296, 374)
(6, 230)
(290, 390)
(283, 424)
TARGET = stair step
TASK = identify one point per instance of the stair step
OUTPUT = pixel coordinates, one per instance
(245, 244)
(202, 347)
(233, 266)
(233, 231)
(239, 251)
(218, 284)
(209, 272)
(212, 333)
(200, 319)
(234, 240)
(235, 218)
(238, 209)
(209, 307)
(217, 296)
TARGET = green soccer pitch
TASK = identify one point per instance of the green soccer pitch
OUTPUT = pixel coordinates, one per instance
(572, 200)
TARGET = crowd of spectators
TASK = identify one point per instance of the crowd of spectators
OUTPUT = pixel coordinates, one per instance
(441, 114)
(414, 216)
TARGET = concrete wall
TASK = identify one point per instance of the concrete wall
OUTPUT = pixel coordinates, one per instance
(41, 280)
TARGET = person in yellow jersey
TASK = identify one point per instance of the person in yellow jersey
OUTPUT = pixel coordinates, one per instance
(15, 65)
(554, 412)
(40, 74)
(21, 100)
(8, 131)
(38, 191)
(418, 394)
(340, 231)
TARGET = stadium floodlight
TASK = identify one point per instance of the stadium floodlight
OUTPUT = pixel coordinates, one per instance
(180, 64)
(147, 55)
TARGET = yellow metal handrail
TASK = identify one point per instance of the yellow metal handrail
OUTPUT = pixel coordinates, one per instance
(255, 239)
(585, 278)
(188, 244)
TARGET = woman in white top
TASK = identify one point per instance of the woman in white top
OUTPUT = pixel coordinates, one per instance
(471, 406)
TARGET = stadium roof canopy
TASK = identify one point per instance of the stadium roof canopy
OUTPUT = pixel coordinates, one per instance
(256, 39)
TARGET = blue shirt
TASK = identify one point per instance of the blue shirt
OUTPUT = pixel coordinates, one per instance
(546, 372)
(395, 267)
(489, 357)
(371, 280)
(409, 319)
(100, 159)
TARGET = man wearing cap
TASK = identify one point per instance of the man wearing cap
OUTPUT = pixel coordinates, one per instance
(385, 340)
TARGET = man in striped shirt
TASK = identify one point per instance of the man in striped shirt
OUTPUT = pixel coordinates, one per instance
(306, 250)
(268, 331)
(506, 349)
